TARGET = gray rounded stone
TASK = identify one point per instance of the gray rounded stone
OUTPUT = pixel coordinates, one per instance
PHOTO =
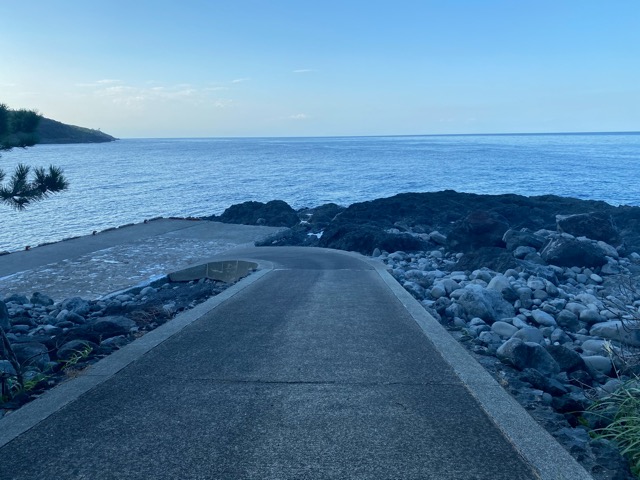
(590, 316)
(504, 329)
(598, 363)
(529, 334)
(627, 333)
(438, 291)
(543, 318)
(593, 346)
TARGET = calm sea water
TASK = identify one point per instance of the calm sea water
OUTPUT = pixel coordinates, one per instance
(130, 180)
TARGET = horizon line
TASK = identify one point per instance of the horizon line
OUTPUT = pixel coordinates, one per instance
(630, 132)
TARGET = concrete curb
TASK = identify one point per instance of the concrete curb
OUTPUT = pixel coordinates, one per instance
(27, 417)
(548, 458)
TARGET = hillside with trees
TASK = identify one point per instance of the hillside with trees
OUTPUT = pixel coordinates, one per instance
(52, 131)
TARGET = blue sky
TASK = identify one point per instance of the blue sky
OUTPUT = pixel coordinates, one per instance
(289, 68)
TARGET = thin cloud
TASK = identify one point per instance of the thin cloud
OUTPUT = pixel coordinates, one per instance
(222, 103)
(136, 96)
(99, 83)
(240, 80)
(304, 70)
(299, 116)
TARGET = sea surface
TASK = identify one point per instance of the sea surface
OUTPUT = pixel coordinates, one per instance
(128, 181)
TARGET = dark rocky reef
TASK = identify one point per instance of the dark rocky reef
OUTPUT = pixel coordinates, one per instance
(465, 222)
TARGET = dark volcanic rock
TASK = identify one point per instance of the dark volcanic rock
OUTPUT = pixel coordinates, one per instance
(5, 324)
(547, 384)
(440, 210)
(275, 213)
(31, 353)
(522, 238)
(101, 328)
(75, 347)
(76, 305)
(446, 212)
(527, 355)
(320, 217)
(19, 299)
(485, 304)
(40, 299)
(365, 238)
(478, 229)
(597, 226)
(570, 252)
(567, 359)
(494, 258)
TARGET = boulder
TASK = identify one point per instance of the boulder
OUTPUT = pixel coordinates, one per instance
(590, 316)
(598, 363)
(438, 238)
(67, 316)
(6, 369)
(524, 252)
(493, 258)
(275, 213)
(570, 252)
(32, 353)
(74, 347)
(100, 328)
(15, 298)
(323, 215)
(627, 333)
(504, 329)
(573, 402)
(522, 238)
(529, 334)
(485, 304)
(365, 238)
(5, 324)
(478, 229)
(543, 318)
(76, 305)
(111, 326)
(595, 225)
(40, 299)
(538, 380)
(568, 360)
(568, 320)
(523, 355)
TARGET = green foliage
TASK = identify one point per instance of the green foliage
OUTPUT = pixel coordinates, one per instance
(21, 189)
(17, 130)
(77, 356)
(621, 410)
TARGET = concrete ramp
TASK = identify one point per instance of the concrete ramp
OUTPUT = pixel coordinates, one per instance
(228, 271)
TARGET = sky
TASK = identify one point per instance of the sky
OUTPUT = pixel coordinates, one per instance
(193, 68)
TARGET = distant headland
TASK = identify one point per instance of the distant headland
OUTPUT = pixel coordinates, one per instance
(52, 131)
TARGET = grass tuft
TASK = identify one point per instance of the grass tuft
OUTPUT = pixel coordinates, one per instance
(621, 412)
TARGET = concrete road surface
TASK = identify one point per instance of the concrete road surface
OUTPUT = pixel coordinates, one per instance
(316, 367)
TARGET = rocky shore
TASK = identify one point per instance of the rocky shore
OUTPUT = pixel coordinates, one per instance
(543, 291)
(51, 341)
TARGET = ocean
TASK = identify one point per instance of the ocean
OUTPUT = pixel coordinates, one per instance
(130, 180)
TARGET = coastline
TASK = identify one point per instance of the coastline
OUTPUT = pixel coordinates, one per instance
(477, 265)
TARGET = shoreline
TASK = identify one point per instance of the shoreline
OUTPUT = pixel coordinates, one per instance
(90, 231)
(533, 316)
